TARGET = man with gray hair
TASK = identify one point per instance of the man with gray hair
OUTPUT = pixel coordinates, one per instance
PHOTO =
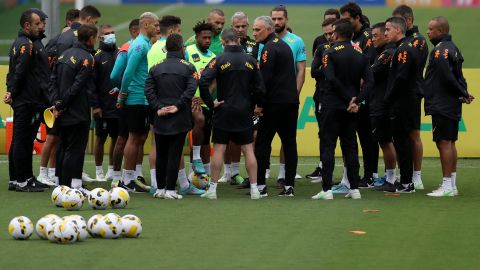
(232, 154)
(279, 109)
(399, 97)
(132, 96)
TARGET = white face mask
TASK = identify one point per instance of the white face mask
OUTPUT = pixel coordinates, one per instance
(109, 39)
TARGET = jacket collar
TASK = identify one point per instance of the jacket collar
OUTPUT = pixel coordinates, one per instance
(75, 25)
(177, 54)
(442, 38)
(82, 46)
(412, 31)
(107, 47)
(233, 48)
(269, 37)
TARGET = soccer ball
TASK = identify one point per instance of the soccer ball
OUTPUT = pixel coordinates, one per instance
(99, 198)
(81, 226)
(53, 220)
(111, 226)
(119, 198)
(72, 199)
(65, 232)
(201, 181)
(132, 226)
(41, 227)
(20, 228)
(57, 195)
(93, 225)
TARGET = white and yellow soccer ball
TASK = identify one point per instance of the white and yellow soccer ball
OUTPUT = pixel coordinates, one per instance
(99, 198)
(72, 199)
(200, 182)
(53, 220)
(132, 226)
(81, 226)
(111, 226)
(93, 225)
(20, 228)
(41, 227)
(65, 232)
(57, 195)
(119, 197)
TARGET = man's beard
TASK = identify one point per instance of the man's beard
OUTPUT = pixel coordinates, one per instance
(279, 29)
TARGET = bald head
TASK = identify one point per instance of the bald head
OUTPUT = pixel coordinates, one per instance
(437, 27)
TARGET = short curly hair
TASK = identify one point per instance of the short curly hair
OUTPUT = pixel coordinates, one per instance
(202, 26)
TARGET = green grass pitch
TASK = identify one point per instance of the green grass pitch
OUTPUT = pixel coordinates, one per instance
(411, 231)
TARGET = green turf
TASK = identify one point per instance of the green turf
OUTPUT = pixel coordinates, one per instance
(305, 21)
(412, 231)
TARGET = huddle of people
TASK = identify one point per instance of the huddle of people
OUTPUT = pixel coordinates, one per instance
(222, 86)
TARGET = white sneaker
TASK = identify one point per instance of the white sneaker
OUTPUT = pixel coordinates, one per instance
(225, 178)
(45, 180)
(212, 195)
(87, 178)
(314, 181)
(109, 176)
(323, 195)
(172, 195)
(455, 191)
(54, 180)
(267, 174)
(442, 191)
(418, 184)
(160, 193)
(100, 177)
(255, 194)
(298, 176)
(354, 194)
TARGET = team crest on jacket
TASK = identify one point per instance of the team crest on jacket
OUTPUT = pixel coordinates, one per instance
(195, 57)
(249, 49)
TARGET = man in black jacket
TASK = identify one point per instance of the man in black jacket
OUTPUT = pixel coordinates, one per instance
(445, 91)
(322, 39)
(103, 104)
(280, 106)
(399, 98)
(239, 81)
(169, 89)
(345, 67)
(71, 87)
(25, 96)
(379, 117)
(362, 37)
(421, 46)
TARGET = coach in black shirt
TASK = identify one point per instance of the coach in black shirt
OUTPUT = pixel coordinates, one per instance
(400, 97)
(345, 67)
(280, 106)
(445, 90)
(169, 89)
(71, 87)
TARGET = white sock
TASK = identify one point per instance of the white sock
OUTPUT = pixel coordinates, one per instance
(281, 171)
(117, 175)
(43, 172)
(391, 176)
(76, 183)
(128, 176)
(51, 172)
(417, 176)
(226, 169)
(235, 168)
(196, 152)
(375, 175)
(345, 178)
(110, 169)
(454, 179)
(138, 171)
(98, 169)
(253, 186)
(153, 178)
(212, 187)
(320, 165)
(447, 182)
(182, 179)
(261, 187)
(207, 168)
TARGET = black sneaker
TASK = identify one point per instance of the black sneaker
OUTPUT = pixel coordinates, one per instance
(141, 179)
(263, 192)
(244, 184)
(387, 187)
(84, 190)
(366, 183)
(29, 187)
(409, 189)
(133, 187)
(12, 186)
(39, 184)
(317, 174)
(287, 192)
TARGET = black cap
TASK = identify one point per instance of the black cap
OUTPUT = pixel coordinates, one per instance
(40, 13)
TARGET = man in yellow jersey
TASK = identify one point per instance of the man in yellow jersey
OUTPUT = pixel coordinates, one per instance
(216, 18)
(199, 55)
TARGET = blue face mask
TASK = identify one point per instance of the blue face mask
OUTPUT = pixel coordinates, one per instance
(109, 39)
